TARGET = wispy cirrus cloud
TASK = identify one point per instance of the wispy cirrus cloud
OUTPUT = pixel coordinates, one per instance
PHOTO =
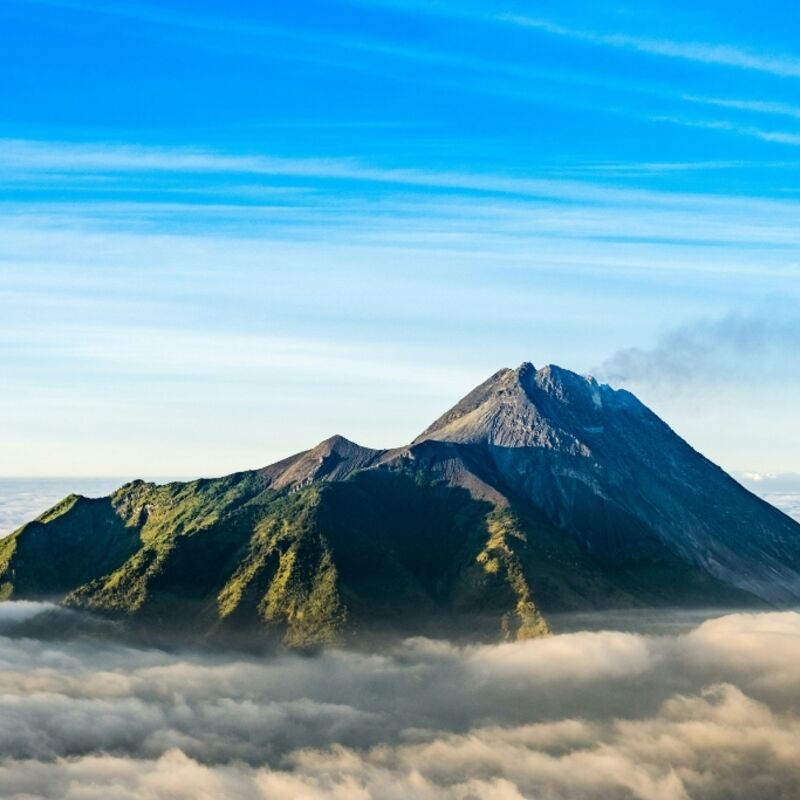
(715, 53)
(296, 283)
(724, 55)
(776, 136)
(33, 158)
(356, 202)
(754, 106)
(468, 70)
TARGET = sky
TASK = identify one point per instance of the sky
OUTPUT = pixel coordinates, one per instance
(231, 230)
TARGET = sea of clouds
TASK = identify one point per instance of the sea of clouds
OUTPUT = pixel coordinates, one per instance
(694, 708)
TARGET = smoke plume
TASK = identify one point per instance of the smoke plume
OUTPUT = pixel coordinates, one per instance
(738, 347)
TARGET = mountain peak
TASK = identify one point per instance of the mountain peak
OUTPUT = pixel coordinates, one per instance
(568, 387)
(468, 418)
(336, 444)
(523, 407)
(332, 459)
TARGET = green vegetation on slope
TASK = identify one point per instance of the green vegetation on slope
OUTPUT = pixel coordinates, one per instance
(500, 556)
(286, 576)
(71, 544)
(386, 549)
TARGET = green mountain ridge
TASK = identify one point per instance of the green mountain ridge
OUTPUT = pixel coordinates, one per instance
(316, 563)
(505, 511)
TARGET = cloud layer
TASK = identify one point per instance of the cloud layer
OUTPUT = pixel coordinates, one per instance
(706, 711)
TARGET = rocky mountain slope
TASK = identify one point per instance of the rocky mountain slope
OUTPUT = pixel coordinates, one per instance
(541, 491)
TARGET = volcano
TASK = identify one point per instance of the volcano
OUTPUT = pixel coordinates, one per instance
(540, 492)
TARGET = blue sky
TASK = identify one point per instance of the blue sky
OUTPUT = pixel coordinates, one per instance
(229, 230)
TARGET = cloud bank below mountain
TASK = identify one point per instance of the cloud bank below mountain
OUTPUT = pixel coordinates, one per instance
(706, 711)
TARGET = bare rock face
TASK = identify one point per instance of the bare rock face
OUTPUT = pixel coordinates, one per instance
(504, 411)
(332, 460)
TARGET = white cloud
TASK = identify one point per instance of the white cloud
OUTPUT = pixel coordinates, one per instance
(37, 159)
(703, 52)
(755, 106)
(779, 137)
(476, 272)
(707, 714)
